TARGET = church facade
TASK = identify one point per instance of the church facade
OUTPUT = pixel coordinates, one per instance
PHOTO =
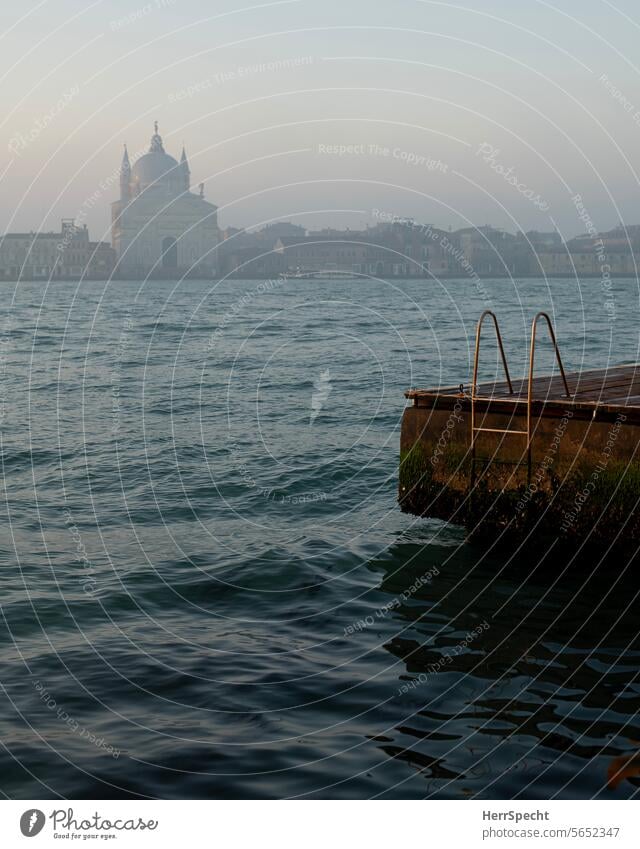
(159, 227)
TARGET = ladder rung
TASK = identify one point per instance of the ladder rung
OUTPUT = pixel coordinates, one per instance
(499, 430)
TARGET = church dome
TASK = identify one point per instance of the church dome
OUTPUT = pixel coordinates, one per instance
(156, 168)
(153, 168)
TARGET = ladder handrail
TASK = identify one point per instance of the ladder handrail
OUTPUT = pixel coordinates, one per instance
(532, 350)
(477, 352)
(474, 382)
(532, 347)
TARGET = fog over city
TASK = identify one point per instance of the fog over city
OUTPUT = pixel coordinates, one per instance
(319, 421)
(457, 114)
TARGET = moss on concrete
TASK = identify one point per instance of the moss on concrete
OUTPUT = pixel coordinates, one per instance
(568, 507)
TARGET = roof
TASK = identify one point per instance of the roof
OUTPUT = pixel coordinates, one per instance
(48, 235)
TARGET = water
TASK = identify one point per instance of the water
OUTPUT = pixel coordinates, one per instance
(208, 589)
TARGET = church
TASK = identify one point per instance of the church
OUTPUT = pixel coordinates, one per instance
(159, 227)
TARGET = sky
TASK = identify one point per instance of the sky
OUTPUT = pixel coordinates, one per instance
(327, 113)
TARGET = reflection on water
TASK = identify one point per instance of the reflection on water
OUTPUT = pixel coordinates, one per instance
(543, 694)
(625, 767)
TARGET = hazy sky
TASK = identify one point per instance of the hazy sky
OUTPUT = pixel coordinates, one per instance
(452, 113)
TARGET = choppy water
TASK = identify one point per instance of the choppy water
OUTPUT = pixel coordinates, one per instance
(207, 587)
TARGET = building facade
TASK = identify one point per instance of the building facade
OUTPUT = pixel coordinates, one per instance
(406, 249)
(159, 227)
(64, 255)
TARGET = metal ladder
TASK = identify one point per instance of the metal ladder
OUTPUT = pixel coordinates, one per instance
(474, 386)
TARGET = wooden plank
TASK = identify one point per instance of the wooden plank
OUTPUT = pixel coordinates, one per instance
(579, 384)
(611, 390)
(625, 401)
(596, 385)
(582, 410)
(590, 376)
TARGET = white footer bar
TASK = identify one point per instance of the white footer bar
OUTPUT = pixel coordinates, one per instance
(318, 824)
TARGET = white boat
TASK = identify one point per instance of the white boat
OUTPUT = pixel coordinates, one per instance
(329, 274)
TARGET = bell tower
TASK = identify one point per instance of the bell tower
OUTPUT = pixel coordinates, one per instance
(184, 171)
(125, 177)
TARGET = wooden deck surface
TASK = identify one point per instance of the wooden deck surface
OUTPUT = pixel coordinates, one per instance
(595, 393)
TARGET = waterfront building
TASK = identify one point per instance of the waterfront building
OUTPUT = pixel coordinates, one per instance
(160, 228)
(64, 255)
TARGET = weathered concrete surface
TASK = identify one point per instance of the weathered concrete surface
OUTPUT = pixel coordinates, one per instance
(584, 482)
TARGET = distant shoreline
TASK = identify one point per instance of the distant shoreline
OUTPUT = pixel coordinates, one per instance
(310, 280)
(363, 279)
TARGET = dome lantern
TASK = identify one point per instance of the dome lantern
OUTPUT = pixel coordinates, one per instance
(156, 140)
(156, 169)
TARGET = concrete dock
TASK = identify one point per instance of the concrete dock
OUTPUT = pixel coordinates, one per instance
(553, 456)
